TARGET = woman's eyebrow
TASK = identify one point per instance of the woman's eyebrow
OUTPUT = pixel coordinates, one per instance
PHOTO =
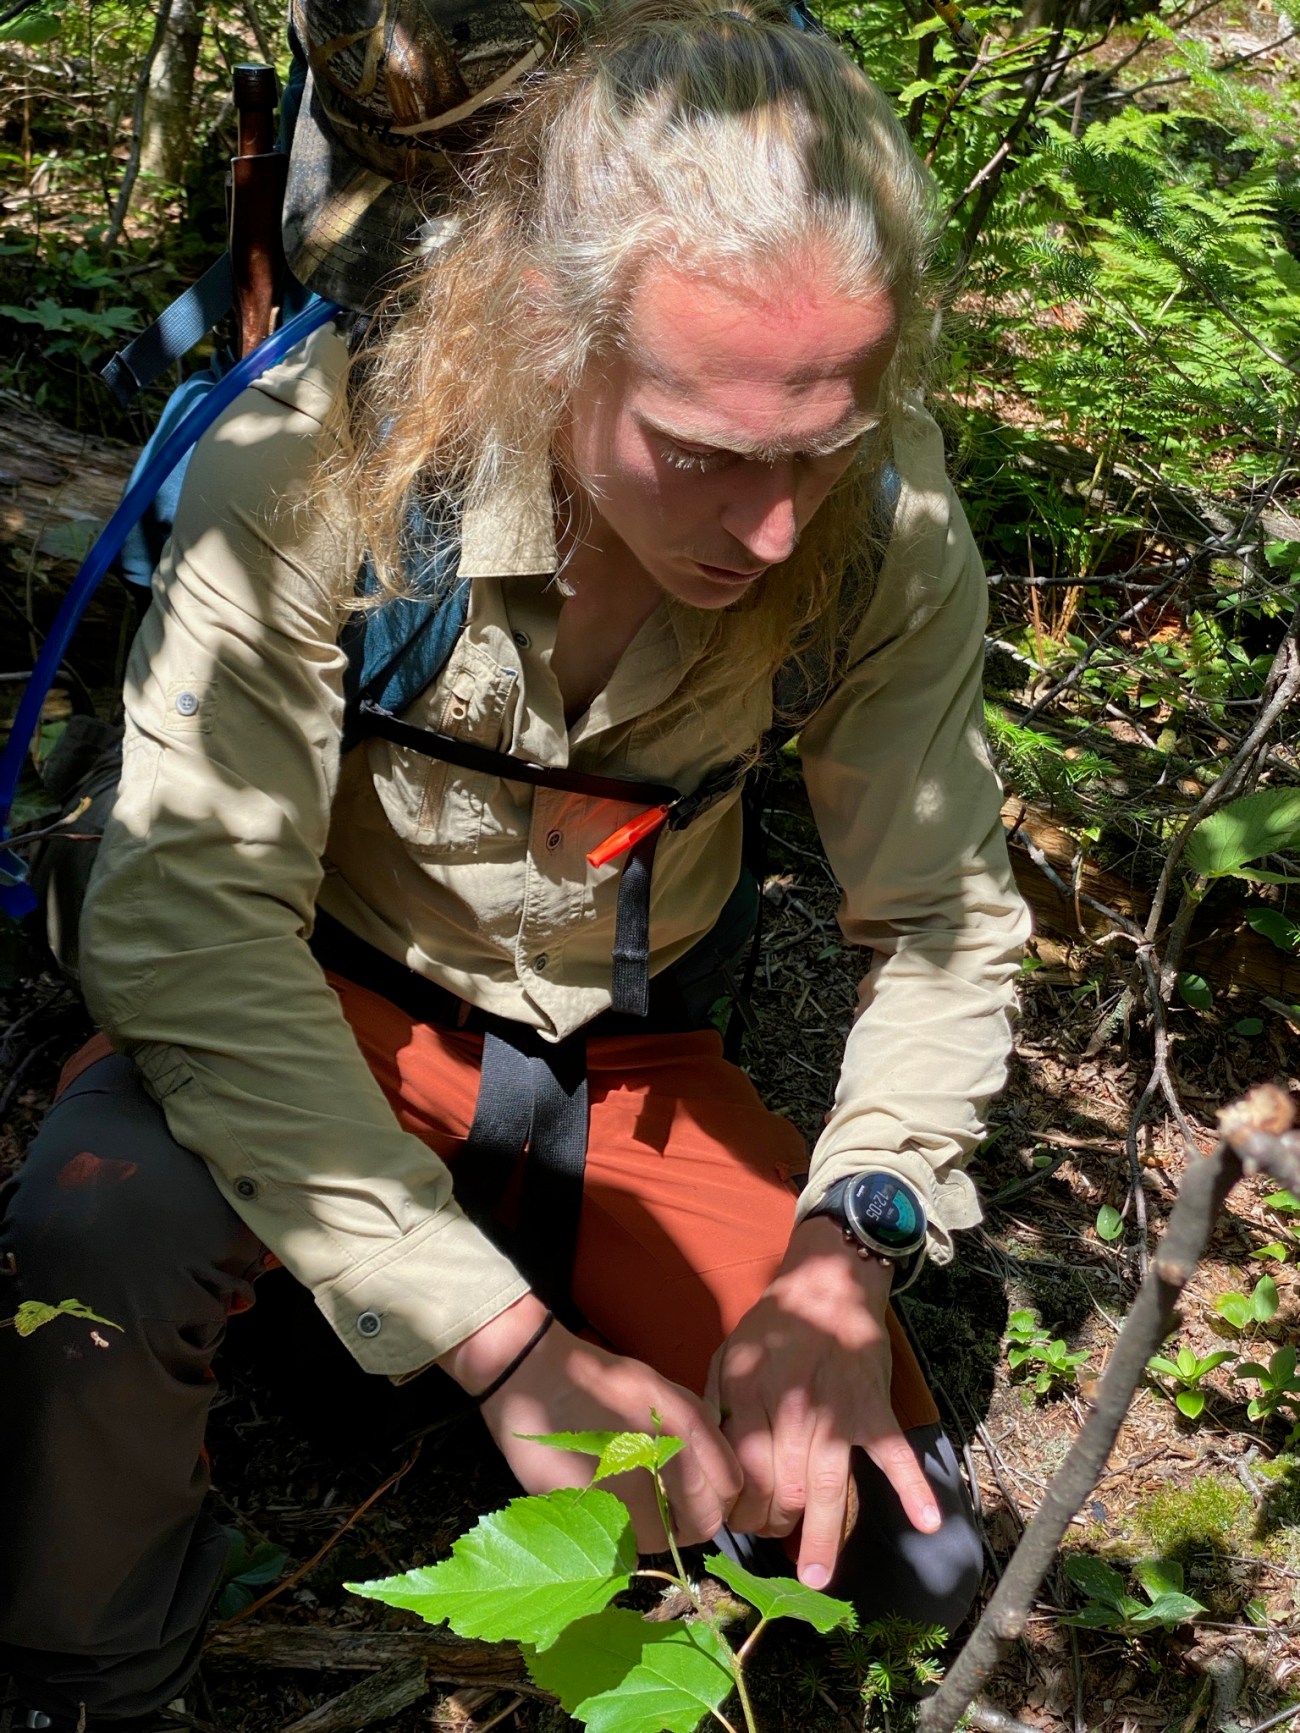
(846, 434)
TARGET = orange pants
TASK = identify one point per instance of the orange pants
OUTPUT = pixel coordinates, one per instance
(687, 1202)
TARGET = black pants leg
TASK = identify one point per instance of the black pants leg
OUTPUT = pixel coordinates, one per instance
(110, 1563)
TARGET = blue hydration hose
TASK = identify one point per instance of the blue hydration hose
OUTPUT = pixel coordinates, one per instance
(16, 895)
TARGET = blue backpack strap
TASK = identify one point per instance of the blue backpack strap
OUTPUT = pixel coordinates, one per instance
(173, 333)
(399, 647)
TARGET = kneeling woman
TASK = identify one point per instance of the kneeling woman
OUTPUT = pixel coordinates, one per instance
(645, 416)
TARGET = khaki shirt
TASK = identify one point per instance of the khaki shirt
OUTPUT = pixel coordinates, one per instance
(236, 819)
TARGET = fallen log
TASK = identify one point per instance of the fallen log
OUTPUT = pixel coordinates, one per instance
(446, 1659)
(382, 1695)
(1232, 956)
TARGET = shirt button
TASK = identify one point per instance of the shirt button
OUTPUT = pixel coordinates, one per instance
(554, 838)
(457, 709)
(522, 639)
(246, 1188)
(187, 703)
(369, 1324)
(540, 961)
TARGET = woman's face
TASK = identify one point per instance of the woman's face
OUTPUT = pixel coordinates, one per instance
(705, 445)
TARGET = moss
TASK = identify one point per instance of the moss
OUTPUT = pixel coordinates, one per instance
(1201, 1514)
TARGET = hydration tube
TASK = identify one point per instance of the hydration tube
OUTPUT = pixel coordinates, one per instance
(16, 895)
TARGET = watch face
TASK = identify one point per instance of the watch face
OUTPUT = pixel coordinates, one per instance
(885, 1212)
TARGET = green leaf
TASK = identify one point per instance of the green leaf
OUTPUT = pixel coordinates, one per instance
(1093, 1617)
(1235, 1308)
(525, 1572)
(1110, 1224)
(1158, 1363)
(596, 1654)
(783, 1597)
(33, 1314)
(33, 29)
(1171, 1609)
(1097, 1580)
(1264, 1300)
(1248, 1027)
(1253, 1369)
(671, 1690)
(1211, 1362)
(1159, 1576)
(1282, 1201)
(1275, 927)
(619, 1452)
(1265, 822)
(1282, 1366)
(1194, 990)
(1274, 1249)
(1190, 1403)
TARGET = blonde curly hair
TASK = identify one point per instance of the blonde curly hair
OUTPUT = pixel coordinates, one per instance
(724, 143)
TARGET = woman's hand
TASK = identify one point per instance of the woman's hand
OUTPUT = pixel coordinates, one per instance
(804, 1377)
(568, 1385)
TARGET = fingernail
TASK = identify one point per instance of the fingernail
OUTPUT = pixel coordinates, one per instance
(815, 1576)
(932, 1517)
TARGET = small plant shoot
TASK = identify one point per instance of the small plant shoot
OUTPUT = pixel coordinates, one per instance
(545, 1572)
(1108, 1605)
(1030, 1346)
(1186, 1370)
(1245, 1311)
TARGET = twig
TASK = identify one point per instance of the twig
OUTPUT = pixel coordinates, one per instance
(1255, 1133)
(305, 1570)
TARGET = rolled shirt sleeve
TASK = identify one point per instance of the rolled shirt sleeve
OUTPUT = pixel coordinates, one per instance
(194, 940)
(907, 804)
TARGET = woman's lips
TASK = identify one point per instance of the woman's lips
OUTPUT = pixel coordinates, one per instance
(726, 574)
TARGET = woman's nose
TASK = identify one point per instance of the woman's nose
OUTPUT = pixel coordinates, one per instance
(762, 515)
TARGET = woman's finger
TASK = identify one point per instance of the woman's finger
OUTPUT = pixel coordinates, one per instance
(827, 1477)
(897, 1461)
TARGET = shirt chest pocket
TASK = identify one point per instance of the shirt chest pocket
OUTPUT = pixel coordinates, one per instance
(440, 811)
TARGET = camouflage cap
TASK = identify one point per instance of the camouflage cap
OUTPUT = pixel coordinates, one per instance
(394, 90)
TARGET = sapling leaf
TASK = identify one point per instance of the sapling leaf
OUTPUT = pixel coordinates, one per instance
(1097, 1580)
(1159, 1576)
(1264, 1300)
(597, 1653)
(1266, 822)
(671, 1690)
(1282, 1201)
(1170, 1609)
(1110, 1224)
(783, 1597)
(1274, 1249)
(524, 1572)
(619, 1452)
(1187, 1363)
(33, 1314)
(1191, 1403)
(1094, 1617)
(1158, 1363)
(1235, 1308)
(1194, 990)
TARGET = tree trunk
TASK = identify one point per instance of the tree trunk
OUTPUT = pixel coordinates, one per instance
(170, 99)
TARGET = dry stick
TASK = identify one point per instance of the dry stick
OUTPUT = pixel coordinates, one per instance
(1250, 1138)
(123, 203)
(305, 1570)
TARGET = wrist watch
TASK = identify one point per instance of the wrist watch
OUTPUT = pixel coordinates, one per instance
(878, 1213)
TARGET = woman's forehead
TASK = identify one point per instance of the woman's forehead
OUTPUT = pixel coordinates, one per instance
(683, 329)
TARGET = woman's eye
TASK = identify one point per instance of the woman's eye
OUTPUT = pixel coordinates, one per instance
(683, 457)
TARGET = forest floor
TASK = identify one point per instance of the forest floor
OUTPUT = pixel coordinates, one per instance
(301, 1440)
